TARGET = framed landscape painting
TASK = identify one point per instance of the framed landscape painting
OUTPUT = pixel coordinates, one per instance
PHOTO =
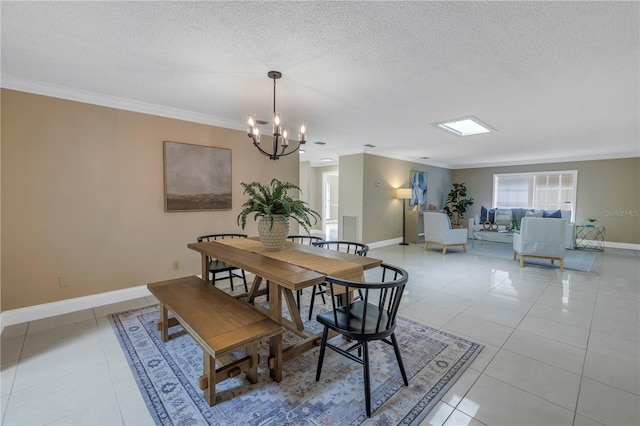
(418, 188)
(196, 177)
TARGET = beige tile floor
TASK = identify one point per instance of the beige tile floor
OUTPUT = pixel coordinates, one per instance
(560, 348)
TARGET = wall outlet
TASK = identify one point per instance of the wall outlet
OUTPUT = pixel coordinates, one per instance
(64, 281)
(176, 265)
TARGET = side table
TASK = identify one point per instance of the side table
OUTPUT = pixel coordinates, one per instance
(590, 237)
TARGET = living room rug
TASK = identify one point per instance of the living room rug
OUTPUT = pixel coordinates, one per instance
(167, 375)
(576, 260)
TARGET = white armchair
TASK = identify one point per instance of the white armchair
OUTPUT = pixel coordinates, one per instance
(437, 229)
(540, 238)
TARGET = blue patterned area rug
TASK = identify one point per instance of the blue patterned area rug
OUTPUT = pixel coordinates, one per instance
(576, 260)
(167, 375)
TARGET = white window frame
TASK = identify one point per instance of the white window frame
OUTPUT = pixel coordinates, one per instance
(569, 204)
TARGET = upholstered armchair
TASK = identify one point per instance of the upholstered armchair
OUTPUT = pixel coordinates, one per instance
(437, 229)
(540, 238)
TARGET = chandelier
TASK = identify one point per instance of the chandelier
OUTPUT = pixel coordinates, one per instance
(280, 137)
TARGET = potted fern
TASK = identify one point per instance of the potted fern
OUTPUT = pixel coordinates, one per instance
(274, 206)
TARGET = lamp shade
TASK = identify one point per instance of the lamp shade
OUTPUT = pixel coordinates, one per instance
(403, 193)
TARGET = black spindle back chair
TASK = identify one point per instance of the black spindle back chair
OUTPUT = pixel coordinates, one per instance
(307, 240)
(372, 317)
(217, 266)
(344, 246)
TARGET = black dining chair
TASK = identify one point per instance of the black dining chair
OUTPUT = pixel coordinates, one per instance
(343, 246)
(304, 239)
(307, 240)
(217, 266)
(371, 318)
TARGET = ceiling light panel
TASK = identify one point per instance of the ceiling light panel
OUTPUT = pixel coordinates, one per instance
(465, 126)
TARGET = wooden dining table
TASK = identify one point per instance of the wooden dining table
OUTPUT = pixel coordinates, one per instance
(286, 271)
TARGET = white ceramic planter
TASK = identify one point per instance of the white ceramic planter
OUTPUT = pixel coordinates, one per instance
(273, 238)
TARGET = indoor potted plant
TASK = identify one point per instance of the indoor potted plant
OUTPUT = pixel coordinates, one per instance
(274, 206)
(457, 203)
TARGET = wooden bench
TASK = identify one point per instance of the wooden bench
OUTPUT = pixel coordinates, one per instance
(220, 324)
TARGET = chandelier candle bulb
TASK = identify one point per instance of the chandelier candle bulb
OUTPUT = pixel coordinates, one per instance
(285, 137)
(251, 124)
(303, 133)
(276, 124)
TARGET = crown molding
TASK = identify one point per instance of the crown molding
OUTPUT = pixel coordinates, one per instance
(556, 160)
(45, 89)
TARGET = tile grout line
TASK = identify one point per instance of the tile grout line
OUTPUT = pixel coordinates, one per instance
(482, 372)
(15, 375)
(108, 365)
(584, 361)
(517, 387)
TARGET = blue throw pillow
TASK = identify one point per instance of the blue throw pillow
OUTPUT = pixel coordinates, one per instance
(483, 214)
(557, 214)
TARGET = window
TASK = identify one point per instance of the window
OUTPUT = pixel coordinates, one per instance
(539, 190)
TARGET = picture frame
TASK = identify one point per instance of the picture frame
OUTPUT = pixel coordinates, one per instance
(418, 188)
(196, 177)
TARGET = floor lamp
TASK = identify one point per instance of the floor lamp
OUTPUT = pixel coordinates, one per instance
(403, 194)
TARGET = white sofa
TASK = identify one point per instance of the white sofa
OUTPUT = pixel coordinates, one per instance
(475, 231)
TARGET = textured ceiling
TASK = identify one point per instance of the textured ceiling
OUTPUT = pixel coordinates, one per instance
(557, 80)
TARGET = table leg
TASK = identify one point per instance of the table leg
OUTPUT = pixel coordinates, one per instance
(293, 308)
(275, 302)
(253, 291)
(205, 268)
(164, 321)
(252, 372)
(275, 358)
(210, 374)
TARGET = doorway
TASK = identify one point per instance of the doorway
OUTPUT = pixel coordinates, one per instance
(330, 204)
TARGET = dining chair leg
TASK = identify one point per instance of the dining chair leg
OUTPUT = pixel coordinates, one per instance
(231, 279)
(313, 298)
(244, 280)
(298, 294)
(315, 290)
(367, 384)
(396, 349)
(323, 347)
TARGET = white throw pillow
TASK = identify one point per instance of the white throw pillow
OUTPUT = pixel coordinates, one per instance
(503, 217)
(535, 213)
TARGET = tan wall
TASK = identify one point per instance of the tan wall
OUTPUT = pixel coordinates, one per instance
(82, 197)
(382, 212)
(608, 190)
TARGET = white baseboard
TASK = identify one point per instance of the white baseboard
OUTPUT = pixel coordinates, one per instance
(625, 246)
(32, 313)
(385, 243)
